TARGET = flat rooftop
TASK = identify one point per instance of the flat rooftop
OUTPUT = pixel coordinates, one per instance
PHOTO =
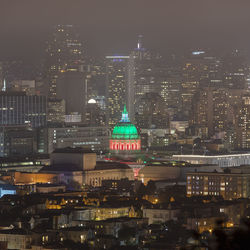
(73, 150)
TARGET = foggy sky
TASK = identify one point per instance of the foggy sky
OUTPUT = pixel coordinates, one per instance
(109, 26)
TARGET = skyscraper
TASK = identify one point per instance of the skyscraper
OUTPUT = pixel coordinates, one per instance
(64, 53)
(72, 88)
(151, 112)
(116, 86)
(243, 130)
(143, 77)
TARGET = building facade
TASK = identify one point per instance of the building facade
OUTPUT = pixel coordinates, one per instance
(116, 86)
(94, 137)
(229, 185)
(19, 109)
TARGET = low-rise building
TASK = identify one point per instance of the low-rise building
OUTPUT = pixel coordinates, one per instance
(15, 238)
(160, 215)
(174, 170)
(7, 189)
(94, 137)
(229, 160)
(228, 184)
(107, 171)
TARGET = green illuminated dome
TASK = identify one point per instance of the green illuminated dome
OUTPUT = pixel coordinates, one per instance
(125, 129)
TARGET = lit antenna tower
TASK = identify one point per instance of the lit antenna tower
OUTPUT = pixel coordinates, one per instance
(139, 43)
(4, 85)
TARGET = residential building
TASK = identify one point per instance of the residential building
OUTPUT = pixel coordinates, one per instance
(230, 184)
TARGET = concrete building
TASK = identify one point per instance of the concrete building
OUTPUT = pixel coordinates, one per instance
(107, 171)
(160, 215)
(17, 141)
(175, 171)
(94, 137)
(82, 159)
(16, 238)
(78, 165)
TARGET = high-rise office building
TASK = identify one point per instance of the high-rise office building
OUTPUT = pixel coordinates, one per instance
(64, 53)
(16, 108)
(214, 110)
(243, 124)
(56, 111)
(170, 82)
(151, 112)
(200, 68)
(72, 88)
(94, 115)
(144, 75)
(116, 86)
(234, 71)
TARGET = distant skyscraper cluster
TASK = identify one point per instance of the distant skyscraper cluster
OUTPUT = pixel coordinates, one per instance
(170, 100)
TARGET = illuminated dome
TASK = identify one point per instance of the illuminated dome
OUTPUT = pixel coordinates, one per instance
(125, 129)
(125, 136)
(92, 101)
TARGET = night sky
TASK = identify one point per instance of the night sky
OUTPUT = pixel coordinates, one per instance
(109, 26)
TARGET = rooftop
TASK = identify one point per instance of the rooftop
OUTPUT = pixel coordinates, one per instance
(73, 150)
(61, 168)
(103, 165)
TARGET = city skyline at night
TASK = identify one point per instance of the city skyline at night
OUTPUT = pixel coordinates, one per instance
(124, 124)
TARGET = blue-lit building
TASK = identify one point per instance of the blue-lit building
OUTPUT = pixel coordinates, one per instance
(7, 189)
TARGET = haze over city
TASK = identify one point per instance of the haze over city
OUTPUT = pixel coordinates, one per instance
(124, 124)
(110, 26)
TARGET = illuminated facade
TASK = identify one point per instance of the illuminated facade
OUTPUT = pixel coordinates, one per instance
(230, 185)
(125, 137)
(117, 85)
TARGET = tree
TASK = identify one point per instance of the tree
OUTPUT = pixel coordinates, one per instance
(126, 233)
(151, 187)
